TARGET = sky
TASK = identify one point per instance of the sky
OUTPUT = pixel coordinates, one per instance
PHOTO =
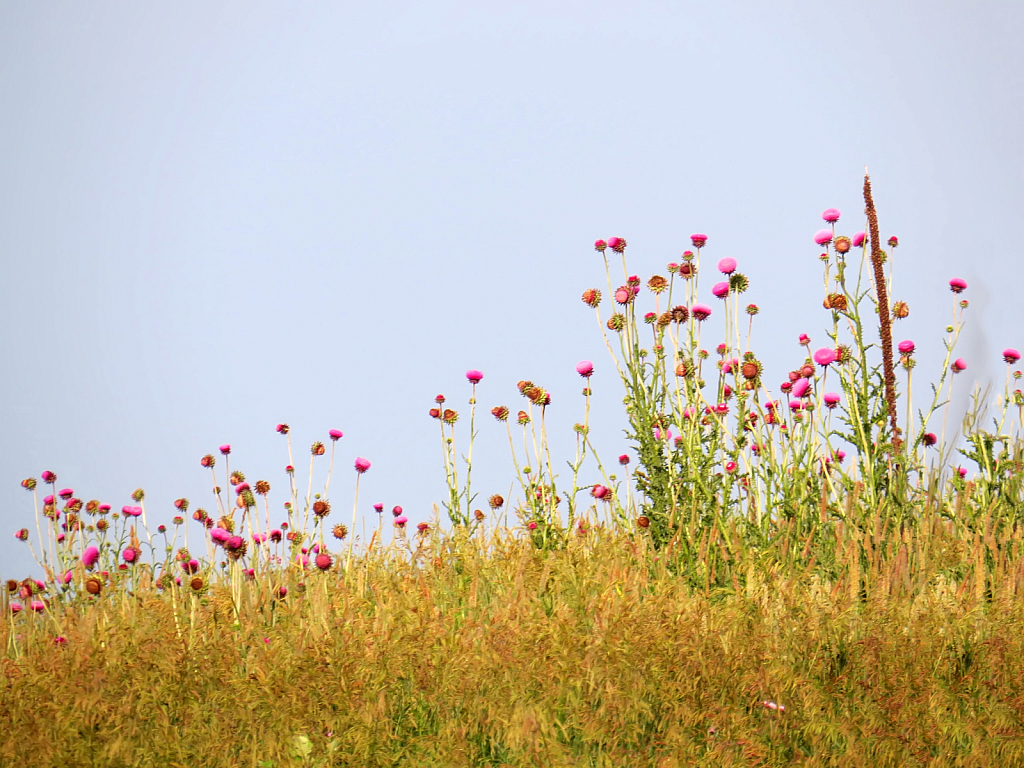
(218, 217)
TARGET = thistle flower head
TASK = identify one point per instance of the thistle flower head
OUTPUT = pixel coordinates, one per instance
(585, 369)
(958, 365)
(657, 284)
(283, 429)
(617, 244)
(831, 400)
(825, 356)
(335, 434)
(474, 376)
(700, 312)
(720, 290)
(842, 244)
(49, 477)
(699, 239)
(361, 465)
(500, 412)
(738, 282)
(225, 449)
(208, 460)
(859, 239)
(317, 449)
(957, 285)
(727, 265)
(1011, 356)
(600, 245)
(906, 347)
(592, 297)
(823, 236)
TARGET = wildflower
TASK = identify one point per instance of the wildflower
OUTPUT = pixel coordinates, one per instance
(657, 284)
(600, 245)
(962, 472)
(831, 400)
(129, 555)
(699, 240)
(650, 317)
(449, 416)
(220, 535)
(321, 508)
(906, 347)
(439, 399)
(958, 365)
(800, 387)
(29, 483)
(362, 465)
(225, 449)
(730, 466)
(836, 302)
(1011, 356)
(842, 244)
(474, 376)
(262, 487)
(773, 706)
(282, 429)
(599, 492)
(643, 521)
(21, 535)
(893, 241)
(805, 340)
(241, 487)
(523, 418)
(900, 310)
(500, 412)
(831, 215)
(425, 527)
(720, 290)
(623, 295)
(435, 413)
(49, 477)
(323, 561)
(957, 285)
(617, 244)
(335, 434)
(727, 265)
(750, 370)
(929, 438)
(825, 356)
(616, 322)
(823, 236)
(275, 535)
(858, 239)
(738, 282)
(339, 531)
(687, 270)
(317, 449)
(289, 469)
(592, 297)
(208, 460)
(752, 309)
(700, 312)
(38, 606)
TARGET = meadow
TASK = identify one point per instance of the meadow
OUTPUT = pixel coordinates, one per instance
(814, 573)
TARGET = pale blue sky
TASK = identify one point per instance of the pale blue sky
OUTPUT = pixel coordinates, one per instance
(217, 217)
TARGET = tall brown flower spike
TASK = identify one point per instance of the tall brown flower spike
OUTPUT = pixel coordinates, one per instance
(877, 260)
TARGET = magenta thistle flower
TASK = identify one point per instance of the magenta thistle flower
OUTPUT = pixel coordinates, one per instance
(336, 434)
(699, 239)
(474, 377)
(906, 347)
(624, 295)
(585, 368)
(823, 236)
(795, 405)
(600, 245)
(700, 312)
(727, 265)
(958, 365)
(858, 239)
(401, 520)
(894, 241)
(831, 215)
(241, 487)
(362, 465)
(225, 449)
(720, 290)
(825, 356)
(282, 428)
(624, 459)
(90, 556)
(804, 339)
(323, 561)
(800, 387)
(21, 534)
(16, 608)
(48, 477)
(617, 244)
(378, 508)
(831, 400)
(1011, 356)
(730, 466)
(957, 285)
(599, 492)
(929, 438)
(66, 494)
(219, 535)
(129, 555)
(38, 606)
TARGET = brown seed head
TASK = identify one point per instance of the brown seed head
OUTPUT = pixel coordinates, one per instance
(93, 586)
(657, 284)
(750, 369)
(495, 502)
(900, 310)
(643, 521)
(340, 531)
(478, 515)
(262, 487)
(196, 584)
(321, 508)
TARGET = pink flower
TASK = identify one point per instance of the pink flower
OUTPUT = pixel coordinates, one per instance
(129, 555)
(617, 244)
(600, 245)
(90, 556)
(323, 561)
(825, 356)
(906, 347)
(532, 526)
(831, 215)
(688, 413)
(48, 476)
(772, 705)
(831, 399)
(959, 365)
(192, 566)
(225, 449)
(599, 492)
(219, 535)
(66, 494)
(800, 387)
(396, 511)
(700, 312)
(804, 339)
(129, 511)
(727, 265)
(336, 434)
(957, 285)
(699, 239)
(241, 487)
(624, 459)
(962, 471)
(378, 508)
(721, 409)
(624, 295)
(659, 435)
(401, 520)
(823, 236)
(1011, 356)
(16, 608)
(730, 466)
(721, 290)
(48, 499)
(67, 577)
(474, 377)
(362, 465)
(259, 538)
(282, 428)
(585, 369)
(38, 606)
(795, 405)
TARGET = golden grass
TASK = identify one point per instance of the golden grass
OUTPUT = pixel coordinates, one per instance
(910, 653)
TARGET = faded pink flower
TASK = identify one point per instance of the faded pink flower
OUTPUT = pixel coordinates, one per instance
(401, 520)
(362, 465)
(823, 236)
(700, 312)
(727, 265)
(474, 376)
(831, 215)
(585, 368)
